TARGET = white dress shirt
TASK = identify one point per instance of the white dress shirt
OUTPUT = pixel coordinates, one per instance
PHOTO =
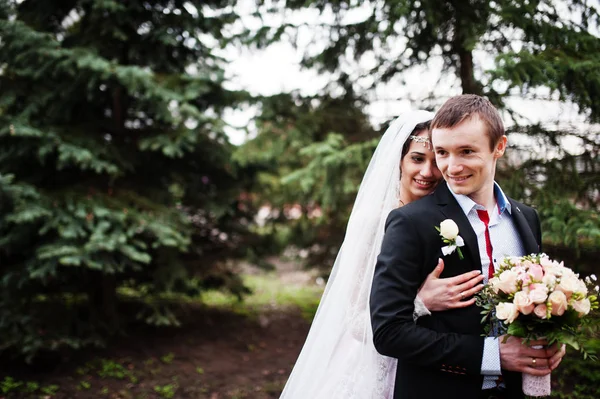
(506, 241)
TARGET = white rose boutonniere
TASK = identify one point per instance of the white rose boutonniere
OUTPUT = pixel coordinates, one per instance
(449, 232)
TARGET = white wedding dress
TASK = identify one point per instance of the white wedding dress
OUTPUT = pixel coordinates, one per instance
(338, 359)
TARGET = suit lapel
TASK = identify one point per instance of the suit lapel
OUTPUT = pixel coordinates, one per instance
(451, 210)
(530, 245)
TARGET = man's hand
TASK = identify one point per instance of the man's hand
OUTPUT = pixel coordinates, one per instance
(449, 293)
(516, 356)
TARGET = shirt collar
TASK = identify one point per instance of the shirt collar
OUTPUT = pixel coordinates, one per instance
(467, 203)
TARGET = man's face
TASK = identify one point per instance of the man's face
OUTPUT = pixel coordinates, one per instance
(464, 157)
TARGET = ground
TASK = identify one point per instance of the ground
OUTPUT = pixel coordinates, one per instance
(224, 350)
(221, 355)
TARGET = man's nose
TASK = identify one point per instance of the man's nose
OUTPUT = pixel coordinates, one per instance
(454, 166)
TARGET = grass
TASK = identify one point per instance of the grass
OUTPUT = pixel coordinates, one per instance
(11, 386)
(268, 292)
(576, 377)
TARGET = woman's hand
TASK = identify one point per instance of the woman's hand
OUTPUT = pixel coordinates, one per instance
(449, 293)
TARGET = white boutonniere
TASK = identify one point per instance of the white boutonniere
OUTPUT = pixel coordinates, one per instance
(449, 232)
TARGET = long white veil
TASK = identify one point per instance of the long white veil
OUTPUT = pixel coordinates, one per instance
(338, 359)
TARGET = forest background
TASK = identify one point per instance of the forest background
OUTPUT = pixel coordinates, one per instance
(160, 198)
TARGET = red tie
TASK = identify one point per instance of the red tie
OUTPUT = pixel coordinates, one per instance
(485, 218)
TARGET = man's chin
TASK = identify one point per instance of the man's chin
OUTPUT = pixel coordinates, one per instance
(459, 189)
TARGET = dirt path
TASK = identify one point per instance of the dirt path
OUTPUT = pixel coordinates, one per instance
(219, 355)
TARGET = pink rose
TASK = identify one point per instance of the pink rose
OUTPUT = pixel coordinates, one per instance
(536, 272)
(524, 278)
(507, 281)
(558, 301)
(541, 311)
(523, 303)
(506, 311)
(538, 293)
(582, 307)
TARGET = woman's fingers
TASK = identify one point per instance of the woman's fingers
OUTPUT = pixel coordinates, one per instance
(465, 277)
(472, 291)
(463, 304)
(468, 288)
(437, 271)
(471, 283)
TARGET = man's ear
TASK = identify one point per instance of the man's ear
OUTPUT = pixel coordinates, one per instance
(500, 147)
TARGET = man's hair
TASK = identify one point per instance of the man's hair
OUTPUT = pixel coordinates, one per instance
(418, 129)
(460, 108)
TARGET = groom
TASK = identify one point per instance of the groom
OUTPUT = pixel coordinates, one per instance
(445, 355)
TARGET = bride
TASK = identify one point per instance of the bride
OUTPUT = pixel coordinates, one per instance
(338, 359)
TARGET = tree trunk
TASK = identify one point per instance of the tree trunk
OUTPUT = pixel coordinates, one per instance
(467, 76)
(466, 71)
(103, 301)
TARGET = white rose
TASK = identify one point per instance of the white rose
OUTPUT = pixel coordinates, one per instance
(549, 280)
(582, 307)
(568, 272)
(493, 283)
(545, 262)
(551, 268)
(507, 281)
(448, 229)
(506, 311)
(581, 288)
(568, 284)
(523, 303)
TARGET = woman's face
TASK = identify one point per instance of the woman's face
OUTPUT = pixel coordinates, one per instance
(420, 174)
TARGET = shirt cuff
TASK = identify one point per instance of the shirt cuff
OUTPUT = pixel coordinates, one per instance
(420, 309)
(490, 363)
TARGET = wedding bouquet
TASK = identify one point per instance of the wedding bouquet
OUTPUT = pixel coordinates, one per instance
(534, 297)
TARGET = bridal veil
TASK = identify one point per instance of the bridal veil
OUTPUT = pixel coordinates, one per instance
(338, 359)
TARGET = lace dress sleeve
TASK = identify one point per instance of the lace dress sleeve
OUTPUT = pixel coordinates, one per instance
(420, 309)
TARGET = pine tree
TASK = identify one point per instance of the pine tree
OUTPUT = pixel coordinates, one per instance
(540, 49)
(115, 173)
(309, 155)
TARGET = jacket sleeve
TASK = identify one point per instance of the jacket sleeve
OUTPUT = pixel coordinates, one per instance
(395, 285)
(538, 227)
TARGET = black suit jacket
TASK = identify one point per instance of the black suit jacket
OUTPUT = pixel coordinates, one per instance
(439, 356)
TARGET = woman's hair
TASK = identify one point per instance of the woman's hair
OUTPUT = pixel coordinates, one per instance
(418, 129)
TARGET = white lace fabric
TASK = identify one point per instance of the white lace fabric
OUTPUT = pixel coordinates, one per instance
(420, 309)
(338, 359)
(537, 386)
